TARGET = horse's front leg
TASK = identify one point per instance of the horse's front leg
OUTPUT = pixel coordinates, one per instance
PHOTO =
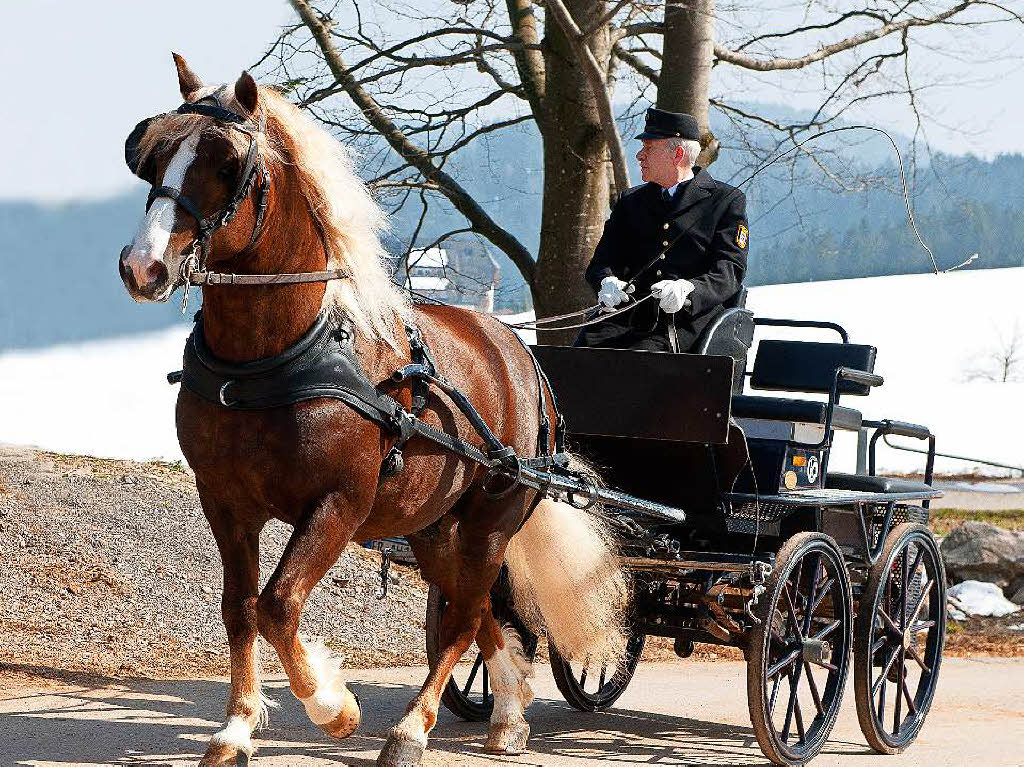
(247, 708)
(314, 676)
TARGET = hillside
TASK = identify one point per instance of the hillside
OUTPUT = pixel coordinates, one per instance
(60, 262)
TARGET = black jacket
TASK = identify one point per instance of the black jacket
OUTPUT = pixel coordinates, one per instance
(709, 219)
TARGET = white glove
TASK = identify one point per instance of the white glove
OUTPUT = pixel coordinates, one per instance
(612, 292)
(672, 294)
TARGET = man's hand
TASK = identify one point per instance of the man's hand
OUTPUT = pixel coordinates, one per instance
(612, 293)
(672, 294)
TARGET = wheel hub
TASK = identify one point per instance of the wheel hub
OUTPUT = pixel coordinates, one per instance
(816, 651)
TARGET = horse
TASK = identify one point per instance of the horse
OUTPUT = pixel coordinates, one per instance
(245, 181)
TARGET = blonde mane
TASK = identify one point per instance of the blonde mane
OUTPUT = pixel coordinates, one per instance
(347, 216)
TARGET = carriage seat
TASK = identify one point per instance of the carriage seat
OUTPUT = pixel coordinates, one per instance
(800, 411)
(868, 484)
(804, 367)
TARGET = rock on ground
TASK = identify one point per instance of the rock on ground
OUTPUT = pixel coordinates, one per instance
(981, 551)
(110, 567)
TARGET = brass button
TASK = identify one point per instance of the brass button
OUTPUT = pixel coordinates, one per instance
(657, 273)
(665, 226)
(665, 243)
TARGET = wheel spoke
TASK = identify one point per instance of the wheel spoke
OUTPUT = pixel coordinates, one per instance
(916, 611)
(916, 657)
(785, 662)
(889, 621)
(583, 677)
(800, 722)
(885, 671)
(922, 626)
(823, 592)
(794, 681)
(814, 688)
(472, 674)
(881, 701)
(828, 629)
(910, 700)
(896, 718)
(484, 685)
(878, 645)
(792, 612)
(774, 695)
(903, 591)
(811, 599)
(600, 684)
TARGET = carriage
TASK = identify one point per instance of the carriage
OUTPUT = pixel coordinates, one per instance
(736, 532)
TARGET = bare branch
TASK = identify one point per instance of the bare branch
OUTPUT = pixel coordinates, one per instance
(411, 153)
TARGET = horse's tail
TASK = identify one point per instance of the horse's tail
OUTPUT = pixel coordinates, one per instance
(566, 579)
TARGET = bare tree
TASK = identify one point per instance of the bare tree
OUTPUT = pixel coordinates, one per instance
(1003, 361)
(433, 77)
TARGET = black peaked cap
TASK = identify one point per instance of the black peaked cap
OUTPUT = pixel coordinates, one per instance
(663, 124)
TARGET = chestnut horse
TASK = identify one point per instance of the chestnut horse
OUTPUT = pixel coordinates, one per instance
(317, 465)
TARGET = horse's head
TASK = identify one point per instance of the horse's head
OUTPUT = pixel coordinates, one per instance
(208, 182)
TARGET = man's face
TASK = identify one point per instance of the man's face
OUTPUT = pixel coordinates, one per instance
(658, 163)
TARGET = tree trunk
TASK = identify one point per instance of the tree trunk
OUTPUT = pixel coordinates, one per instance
(576, 169)
(688, 50)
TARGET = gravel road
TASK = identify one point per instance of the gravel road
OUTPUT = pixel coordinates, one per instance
(110, 567)
(675, 713)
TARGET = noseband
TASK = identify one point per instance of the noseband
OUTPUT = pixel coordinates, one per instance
(253, 176)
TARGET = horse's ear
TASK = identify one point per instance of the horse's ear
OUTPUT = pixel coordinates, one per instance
(247, 93)
(188, 81)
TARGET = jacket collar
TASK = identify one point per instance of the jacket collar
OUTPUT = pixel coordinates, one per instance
(697, 189)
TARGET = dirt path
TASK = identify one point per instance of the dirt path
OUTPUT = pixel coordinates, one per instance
(678, 713)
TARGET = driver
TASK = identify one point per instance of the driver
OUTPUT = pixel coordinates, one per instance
(700, 226)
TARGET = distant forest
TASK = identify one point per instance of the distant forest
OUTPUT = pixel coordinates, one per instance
(60, 281)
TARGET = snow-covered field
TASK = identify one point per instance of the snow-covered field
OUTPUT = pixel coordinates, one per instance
(110, 398)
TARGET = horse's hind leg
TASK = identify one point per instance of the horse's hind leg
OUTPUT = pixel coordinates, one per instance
(246, 710)
(509, 671)
(314, 676)
(462, 556)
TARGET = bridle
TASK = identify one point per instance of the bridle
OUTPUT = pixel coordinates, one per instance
(253, 176)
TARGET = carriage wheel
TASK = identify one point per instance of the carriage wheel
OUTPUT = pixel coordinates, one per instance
(803, 640)
(898, 637)
(469, 697)
(589, 687)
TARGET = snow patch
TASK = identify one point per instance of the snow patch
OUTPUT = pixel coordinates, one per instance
(980, 599)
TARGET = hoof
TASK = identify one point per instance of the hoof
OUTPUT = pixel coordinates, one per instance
(507, 739)
(223, 756)
(346, 722)
(400, 752)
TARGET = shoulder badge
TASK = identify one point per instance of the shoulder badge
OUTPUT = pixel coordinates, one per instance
(741, 236)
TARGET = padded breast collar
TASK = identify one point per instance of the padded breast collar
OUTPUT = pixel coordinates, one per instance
(321, 364)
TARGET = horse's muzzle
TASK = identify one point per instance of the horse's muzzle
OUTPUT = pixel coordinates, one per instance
(144, 278)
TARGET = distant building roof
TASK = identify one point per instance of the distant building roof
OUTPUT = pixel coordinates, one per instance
(428, 283)
(430, 257)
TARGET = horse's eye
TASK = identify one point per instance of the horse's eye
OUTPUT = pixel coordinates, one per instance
(227, 172)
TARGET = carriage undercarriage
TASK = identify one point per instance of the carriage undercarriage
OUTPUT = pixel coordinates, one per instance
(735, 533)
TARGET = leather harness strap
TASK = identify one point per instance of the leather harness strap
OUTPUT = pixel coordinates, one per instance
(226, 278)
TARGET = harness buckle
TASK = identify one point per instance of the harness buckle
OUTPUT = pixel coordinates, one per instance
(223, 395)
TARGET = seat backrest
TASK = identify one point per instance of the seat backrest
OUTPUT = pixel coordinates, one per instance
(730, 335)
(738, 299)
(808, 366)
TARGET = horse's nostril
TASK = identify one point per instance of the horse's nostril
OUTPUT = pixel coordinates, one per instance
(156, 273)
(124, 253)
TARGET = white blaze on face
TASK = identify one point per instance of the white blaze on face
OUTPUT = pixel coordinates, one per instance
(154, 232)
